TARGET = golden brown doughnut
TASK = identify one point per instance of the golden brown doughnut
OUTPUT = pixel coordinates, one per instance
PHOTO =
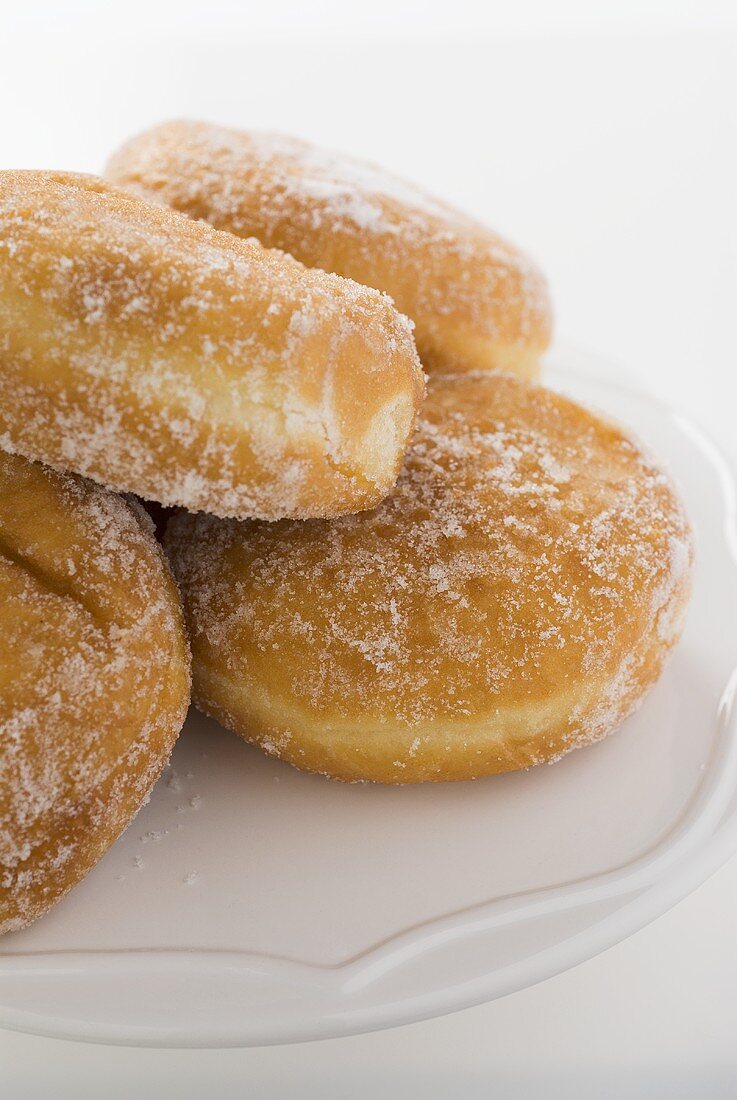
(477, 301)
(161, 357)
(514, 598)
(94, 678)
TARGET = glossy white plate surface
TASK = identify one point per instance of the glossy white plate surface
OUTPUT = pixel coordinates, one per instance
(249, 903)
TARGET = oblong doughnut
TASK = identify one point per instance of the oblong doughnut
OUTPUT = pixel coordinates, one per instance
(514, 598)
(161, 357)
(478, 303)
(94, 678)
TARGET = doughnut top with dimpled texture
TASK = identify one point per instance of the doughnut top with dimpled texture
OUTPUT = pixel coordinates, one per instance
(159, 356)
(478, 303)
(514, 598)
(94, 678)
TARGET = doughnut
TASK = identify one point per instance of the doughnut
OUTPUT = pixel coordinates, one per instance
(512, 599)
(94, 678)
(161, 357)
(478, 303)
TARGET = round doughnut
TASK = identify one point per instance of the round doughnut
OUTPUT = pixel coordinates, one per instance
(478, 303)
(514, 598)
(159, 356)
(94, 678)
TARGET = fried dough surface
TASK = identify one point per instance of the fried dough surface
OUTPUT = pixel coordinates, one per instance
(515, 597)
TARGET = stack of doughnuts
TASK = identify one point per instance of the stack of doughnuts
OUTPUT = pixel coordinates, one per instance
(369, 571)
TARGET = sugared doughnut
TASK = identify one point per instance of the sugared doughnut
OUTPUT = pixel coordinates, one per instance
(94, 678)
(514, 598)
(159, 356)
(477, 302)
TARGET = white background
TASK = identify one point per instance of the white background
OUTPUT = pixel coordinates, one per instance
(602, 137)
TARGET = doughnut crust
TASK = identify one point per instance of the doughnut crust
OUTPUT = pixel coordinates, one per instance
(94, 678)
(159, 356)
(513, 599)
(477, 302)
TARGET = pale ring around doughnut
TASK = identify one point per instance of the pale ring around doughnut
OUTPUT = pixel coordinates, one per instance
(94, 678)
(477, 301)
(514, 598)
(163, 358)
